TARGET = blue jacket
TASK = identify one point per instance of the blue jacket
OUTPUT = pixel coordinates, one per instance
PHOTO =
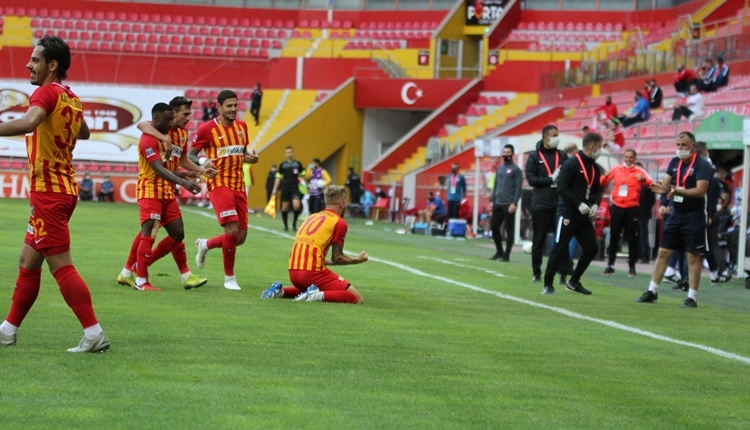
(460, 190)
(641, 109)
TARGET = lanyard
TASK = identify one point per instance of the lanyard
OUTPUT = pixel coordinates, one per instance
(586, 175)
(679, 169)
(454, 180)
(544, 160)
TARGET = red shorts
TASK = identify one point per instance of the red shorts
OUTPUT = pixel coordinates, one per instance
(325, 280)
(48, 232)
(163, 210)
(230, 206)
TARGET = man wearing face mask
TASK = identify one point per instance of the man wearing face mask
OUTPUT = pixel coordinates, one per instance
(456, 191)
(86, 190)
(542, 171)
(626, 194)
(506, 193)
(686, 184)
(580, 190)
(608, 109)
(716, 263)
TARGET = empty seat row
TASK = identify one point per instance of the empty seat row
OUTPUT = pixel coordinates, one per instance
(161, 39)
(390, 25)
(157, 29)
(145, 18)
(570, 26)
(303, 23)
(492, 100)
(563, 37)
(366, 44)
(416, 35)
(214, 51)
(559, 47)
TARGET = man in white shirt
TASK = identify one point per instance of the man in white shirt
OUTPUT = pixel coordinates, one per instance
(692, 108)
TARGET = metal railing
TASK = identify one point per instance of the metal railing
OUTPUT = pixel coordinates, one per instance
(340, 5)
(421, 73)
(732, 48)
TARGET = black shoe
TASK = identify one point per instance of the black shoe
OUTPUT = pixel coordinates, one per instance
(505, 259)
(563, 281)
(578, 288)
(495, 257)
(681, 286)
(548, 289)
(648, 297)
(689, 303)
(608, 271)
(536, 278)
(632, 273)
(675, 279)
(286, 229)
(720, 279)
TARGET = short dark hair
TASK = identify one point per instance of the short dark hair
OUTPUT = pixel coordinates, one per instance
(225, 95)
(512, 149)
(687, 134)
(55, 49)
(585, 128)
(719, 59)
(700, 146)
(289, 147)
(590, 139)
(547, 129)
(638, 94)
(317, 161)
(160, 107)
(635, 154)
(179, 101)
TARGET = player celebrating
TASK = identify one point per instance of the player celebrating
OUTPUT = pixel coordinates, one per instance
(174, 154)
(312, 280)
(55, 117)
(288, 177)
(224, 140)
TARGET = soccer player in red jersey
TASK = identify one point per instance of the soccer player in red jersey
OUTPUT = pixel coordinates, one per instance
(55, 117)
(224, 140)
(174, 156)
(308, 271)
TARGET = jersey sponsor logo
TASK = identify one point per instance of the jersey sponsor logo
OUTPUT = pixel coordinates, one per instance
(156, 217)
(36, 241)
(176, 152)
(149, 152)
(227, 213)
(229, 151)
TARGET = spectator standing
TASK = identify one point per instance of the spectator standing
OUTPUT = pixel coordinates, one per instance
(255, 101)
(691, 108)
(317, 179)
(456, 190)
(270, 180)
(354, 183)
(639, 113)
(580, 192)
(506, 192)
(86, 190)
(542, 171)
(624, 212)
(685, 77)
(106, 190)
(686, 183)
(646, 202)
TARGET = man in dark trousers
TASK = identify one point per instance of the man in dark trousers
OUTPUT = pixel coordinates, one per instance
(255, 100)
(686, 183)
(270, 181)
(506, 192)
(580, 192)
(542, 170)
(354, 183)
(456, 191)
(646, 202)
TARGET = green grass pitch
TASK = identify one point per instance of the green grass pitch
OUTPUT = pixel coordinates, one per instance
(432, 346)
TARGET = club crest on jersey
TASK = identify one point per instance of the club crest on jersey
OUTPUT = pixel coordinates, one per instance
(566, 222)
(149, 152)
(228, 151)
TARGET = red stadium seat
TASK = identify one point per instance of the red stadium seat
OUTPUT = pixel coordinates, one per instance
(254, 43)
(148, 28)
(229, 52)
(38, 34)
(73, 35)
(244, 43)
(128, 47)
(263, 53)
(218, 52)
(115, 47)
(265, 43)
(131, 168)
(209, 41)
(276, 44)
(303, 23)
(220, 41)
(184, 50)
(197, 40)
(55, 13)
(252, 53)
(289, 24)
(162, 49)
(211, 20)
(278, 24)
(144, 18)
(43, 13)
(241, 52)
(336, 24)
(232, 42)
(189, 20)
(267, 23)
(260, 33)
(177, 19)
(213, 94)
(196, 50)
(214, 31)
(234, 22)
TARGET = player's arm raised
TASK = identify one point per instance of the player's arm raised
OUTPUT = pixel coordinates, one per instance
(338, 258)
(24, 125)
(146, 128)
(162, 172)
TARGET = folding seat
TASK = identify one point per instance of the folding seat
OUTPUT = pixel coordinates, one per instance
(38, 34)
(211, 20)
(254, 43)
(219, 51)
(209, 41)
(80, 46)
(244, 43)
(85, 35)
(195, 50)
(197, 40)
(265, 43)
(241, 52)
(163, 39)
(271, 34)
(347, 25)
(73, 35)
(262, 53)
(98, 15)
(260, 33)
(125, 27)
(276, 44)
(62, 34)
(215, 31)
(139, 47)
(172, 49)
(141, 38)
(137, 28)
(220, 41)
(222, 21)
(43, 13)
(200, 20)
(281, 34)
(35, 22)
(132, 17)
(618, 27)
(191, 94)
(234, 22)
(252, 53)
(115, 47)
(189, 20)
(93, 46)
(186, 40)
(560, 26)
(127, 47)
(278, 24)
(570, 26)
(185, 50)
(229, 52)
(267, 23)
(306, 34)
(532, 26)
(148, 28)
(226, 32)
(144, 18)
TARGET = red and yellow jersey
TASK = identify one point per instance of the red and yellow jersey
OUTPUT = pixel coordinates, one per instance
(150, 185)
(50, 147)
(314, 238)
(179, 138)
(227, 145)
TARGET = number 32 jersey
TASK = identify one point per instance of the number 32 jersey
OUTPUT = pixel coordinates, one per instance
(313, 240)
(50, 147)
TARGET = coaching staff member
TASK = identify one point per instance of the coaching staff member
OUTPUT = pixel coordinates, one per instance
(625, 212)
(542, 170)
(580, 190)
(686, 184)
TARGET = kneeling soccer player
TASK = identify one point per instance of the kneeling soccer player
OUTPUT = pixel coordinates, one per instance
(312, 280)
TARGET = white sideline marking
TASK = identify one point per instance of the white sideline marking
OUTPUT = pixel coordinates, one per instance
(481, 269)
(611, 324)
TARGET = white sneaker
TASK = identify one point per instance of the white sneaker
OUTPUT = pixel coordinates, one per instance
(230, 283)
(6, 340)
(313, 294)
(200, 257)
(100, 344)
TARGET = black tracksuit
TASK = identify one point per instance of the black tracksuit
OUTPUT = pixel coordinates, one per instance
(574, 190)
(645, 206)
(544, 199)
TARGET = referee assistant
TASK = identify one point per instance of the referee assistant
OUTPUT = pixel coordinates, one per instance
(626, 195)
(580, 190)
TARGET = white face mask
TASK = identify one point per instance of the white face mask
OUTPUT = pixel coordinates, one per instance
(596, 154)
(554, 142)
(718, 208)
(683, 153)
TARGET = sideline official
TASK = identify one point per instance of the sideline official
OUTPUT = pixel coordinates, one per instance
(505, 196)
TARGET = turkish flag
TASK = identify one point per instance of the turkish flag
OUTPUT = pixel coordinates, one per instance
(413, 94)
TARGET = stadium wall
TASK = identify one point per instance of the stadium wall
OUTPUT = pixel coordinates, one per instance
(332, 132)
(624, 17)
(520, 76)
(15, 185)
